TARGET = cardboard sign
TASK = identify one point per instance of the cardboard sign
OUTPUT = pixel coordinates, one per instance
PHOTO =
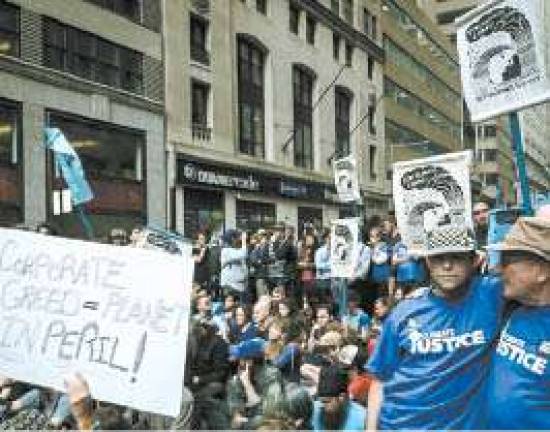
(503, 58)
(344, 247)
(117, 315)
(346, 179)
(432, 193)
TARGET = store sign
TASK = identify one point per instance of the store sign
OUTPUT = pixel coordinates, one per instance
(219, 177)
(193, 172)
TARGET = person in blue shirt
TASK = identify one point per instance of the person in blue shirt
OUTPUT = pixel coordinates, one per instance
(410, 272)
(333, 410)
(323, 276)
(430, 362)
(519, 383)
(380, 269)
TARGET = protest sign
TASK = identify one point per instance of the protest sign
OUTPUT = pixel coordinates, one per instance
(503, 57)
(432, 193)
(344, 247)
(346, 179)
(153, 238)
(118, 315)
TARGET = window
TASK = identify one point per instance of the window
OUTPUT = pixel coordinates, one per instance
(130, 9)
(303, 118)
(261, 6)
(199, 32)
(490, 131)
(491, 179)
(252, 215)
(199, 110)
(349, 55)
(342, 122)
(251, 98)
(88, 56)
(372, 162)
(370, 67)
(372, 114)
(203, 211)
(374, 27)
(9, 30)
(336, 46)
(490, 155)
(114, 160)
(335, 7)
(11, 185)
(294, 19)
(347, 11)
(310, 30)
(370, 24)
(451, 16)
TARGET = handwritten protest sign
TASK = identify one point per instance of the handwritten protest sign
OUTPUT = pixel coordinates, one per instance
(344, 247)
(117, 315)
(432, 193)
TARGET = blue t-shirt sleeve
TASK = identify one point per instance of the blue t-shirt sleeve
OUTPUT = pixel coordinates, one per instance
(289, 353)
(385, 358)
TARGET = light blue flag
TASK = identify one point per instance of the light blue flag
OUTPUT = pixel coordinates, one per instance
(68, 162)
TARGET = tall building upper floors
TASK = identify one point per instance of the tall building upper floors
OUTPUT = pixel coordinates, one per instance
(262, 96)
(93, 68)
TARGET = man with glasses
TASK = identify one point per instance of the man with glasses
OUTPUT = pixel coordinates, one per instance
(431, 361)
(519, 383)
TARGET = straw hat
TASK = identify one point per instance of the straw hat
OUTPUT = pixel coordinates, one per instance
(529, 234)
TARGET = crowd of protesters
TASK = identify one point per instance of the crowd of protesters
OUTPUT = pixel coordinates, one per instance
(276, 342)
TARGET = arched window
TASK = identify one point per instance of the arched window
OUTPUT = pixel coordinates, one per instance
(251, 61)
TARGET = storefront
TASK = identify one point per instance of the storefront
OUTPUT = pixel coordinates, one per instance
(11, 180)
(113, 158)
(248, 199)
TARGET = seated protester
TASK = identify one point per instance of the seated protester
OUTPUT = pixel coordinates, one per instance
(255, 388)
(21, 406)
(203, 308)
(332, 409)
(262, 316)
(207, 365)
(283, 349)
(323, 319)
(299, 406)
(410, 271)
(242, 327)
(352, 359)
(325, 355)
(356, 319)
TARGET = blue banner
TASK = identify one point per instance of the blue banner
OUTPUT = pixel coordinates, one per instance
(68, 162)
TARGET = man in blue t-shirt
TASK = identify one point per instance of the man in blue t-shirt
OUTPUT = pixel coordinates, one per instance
(519, 383)
(430, 362)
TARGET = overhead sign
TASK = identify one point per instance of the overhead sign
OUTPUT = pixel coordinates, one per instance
(344, 247)
(432, 193)
(503, 57)
(346, 179)
(118, 315)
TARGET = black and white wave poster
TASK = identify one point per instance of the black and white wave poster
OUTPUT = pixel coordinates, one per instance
(432, 193)
(503, 57)
(346, 179)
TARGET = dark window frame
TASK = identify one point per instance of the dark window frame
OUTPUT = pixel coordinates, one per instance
(251, 88)
(17, 110)
(303, 85)
(196, 108)
(261, 6)
(336, 40)
(372, 114)
(90, 174)
(311, 30)
(343, 99)
(13, 33)
(266, 211)
(370, 67)
(198, 39)
(116, 6)
(129, 63)
(349, 54)
(293, 19)
(372, 162)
